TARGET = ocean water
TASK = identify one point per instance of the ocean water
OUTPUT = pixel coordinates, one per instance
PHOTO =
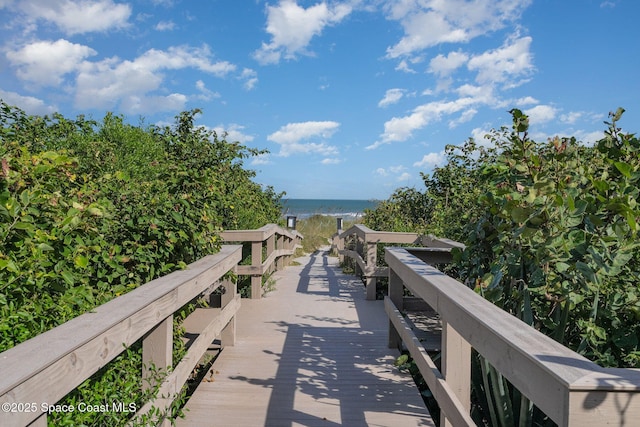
(304, 208)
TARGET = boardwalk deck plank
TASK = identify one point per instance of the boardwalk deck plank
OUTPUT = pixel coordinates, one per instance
(311, 353)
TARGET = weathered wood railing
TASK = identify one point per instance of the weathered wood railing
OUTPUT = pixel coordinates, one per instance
(570, 389)
(271, 248)
(360, 243)
(38, 373)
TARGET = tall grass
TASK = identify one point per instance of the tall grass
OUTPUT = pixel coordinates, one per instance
(318, 230)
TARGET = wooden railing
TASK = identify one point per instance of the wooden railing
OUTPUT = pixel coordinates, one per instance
(360, 243)
(567, 387)
(38, 373)
(41, 371)
(271, 248)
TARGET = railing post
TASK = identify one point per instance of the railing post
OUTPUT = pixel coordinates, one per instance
(359, 250)
(228, 334)
(280, 245)
(256, 261)
(288, 245)
(456, 367)
(157, 352)
(271, 246)
(371, 258)
(396, 295)
(339, 245)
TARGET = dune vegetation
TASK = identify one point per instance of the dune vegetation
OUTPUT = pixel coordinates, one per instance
(92, 209)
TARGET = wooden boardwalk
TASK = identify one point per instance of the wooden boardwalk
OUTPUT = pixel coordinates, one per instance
(311, 353)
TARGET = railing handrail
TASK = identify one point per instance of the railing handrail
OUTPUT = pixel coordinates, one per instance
(559, 381)
(259, 235)
(365, 255)
(280, 243)
(370, 236)
(47, 367)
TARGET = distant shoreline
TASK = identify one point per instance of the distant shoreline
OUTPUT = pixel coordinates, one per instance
(346, 208)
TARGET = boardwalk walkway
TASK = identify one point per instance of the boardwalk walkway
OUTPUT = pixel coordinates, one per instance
(311, 353)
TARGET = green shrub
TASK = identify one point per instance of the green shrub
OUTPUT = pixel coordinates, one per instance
(89, 211)
(557, 243)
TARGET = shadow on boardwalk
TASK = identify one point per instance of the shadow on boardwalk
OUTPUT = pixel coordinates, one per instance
(312, 353)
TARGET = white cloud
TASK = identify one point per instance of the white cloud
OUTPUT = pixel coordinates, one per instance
(292, 27)
(431, 160)
(589, 138)
(391, 97)
(425, 29)
(205, 93)
(294, 132)
(406, 176)
(396, 173)
(27, 103)
(165, 3)
(506, 66)
(178, 57)
(481, 94)
(45, 63)
(234, 133)
(331, 161)
(290, 138)
(541, 114)
(571, 117)
(262, 159)
(500, 65)
(479, 135)
(527, 100)
(78, 17)
(404, 66)
(465, 117)
(432, 22)
(401, 128)
(134, 86)
(140, 104)
(250, 78)
(105, 83)
(445, 65)
(165, 26)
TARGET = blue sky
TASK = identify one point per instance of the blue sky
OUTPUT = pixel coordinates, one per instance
(353, 98)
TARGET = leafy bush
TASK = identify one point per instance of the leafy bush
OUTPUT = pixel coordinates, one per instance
(89, 211)
(551, 232)
(406, 210)
(557, 243)
(552, 235)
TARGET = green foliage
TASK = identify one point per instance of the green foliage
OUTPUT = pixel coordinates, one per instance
(89, 211)
(455, 188)
(551, 234)
(406, 210)
(449, 201)
(557, 243)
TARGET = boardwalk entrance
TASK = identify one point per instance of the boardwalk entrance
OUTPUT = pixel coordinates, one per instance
(311, 353)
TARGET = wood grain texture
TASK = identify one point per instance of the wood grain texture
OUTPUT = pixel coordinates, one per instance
(456, 412)
(552, 376)
(311, 353)
(47, 367)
